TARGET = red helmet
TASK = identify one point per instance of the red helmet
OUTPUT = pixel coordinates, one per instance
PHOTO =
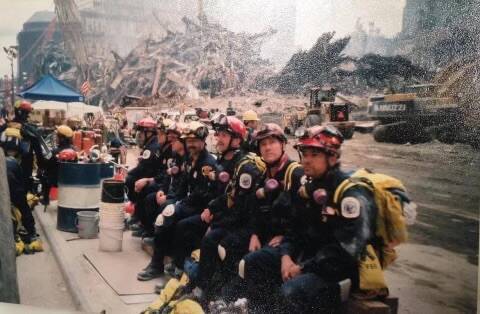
(269, 130)
(231, 125)
(147, 124)
(325, 138)
(67, 155)
(24, 105)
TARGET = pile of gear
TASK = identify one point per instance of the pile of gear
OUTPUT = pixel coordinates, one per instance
(25, 149)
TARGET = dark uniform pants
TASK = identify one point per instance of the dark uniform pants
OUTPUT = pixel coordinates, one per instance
(188, 235)
(137, 173)
(267, 293)
(164, 235)
(217, 277)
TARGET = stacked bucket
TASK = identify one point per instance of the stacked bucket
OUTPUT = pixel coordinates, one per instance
(112, 216)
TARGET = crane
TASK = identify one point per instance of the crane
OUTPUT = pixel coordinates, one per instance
(68, 17)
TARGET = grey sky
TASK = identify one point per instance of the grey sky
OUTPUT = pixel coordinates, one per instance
(313, 18)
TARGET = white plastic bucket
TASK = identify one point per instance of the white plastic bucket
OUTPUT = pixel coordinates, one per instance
(87, 224)
(112, 213)
(111, 237)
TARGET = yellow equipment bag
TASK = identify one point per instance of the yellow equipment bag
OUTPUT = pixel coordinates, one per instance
(170, 299)
(391, 227)
(32, 200)
(371, 273)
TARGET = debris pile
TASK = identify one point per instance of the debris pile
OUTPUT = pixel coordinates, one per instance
(205, 58)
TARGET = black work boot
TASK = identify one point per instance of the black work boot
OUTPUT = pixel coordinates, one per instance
(138, 233)
(150, 241)
(150, 272)
(135, 227)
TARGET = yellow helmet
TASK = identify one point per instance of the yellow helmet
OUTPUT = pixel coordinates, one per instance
(13, 132)
(65, 131)
(10, 139)
(250, 115)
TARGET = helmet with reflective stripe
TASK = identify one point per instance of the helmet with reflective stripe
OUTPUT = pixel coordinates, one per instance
(230, 124)
(195, 129)
(325, 138)
(269, 130)
(176, 127)
(164, 124)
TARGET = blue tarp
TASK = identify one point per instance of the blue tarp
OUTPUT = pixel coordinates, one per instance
(50, 88)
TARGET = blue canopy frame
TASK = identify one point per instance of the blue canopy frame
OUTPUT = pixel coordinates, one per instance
(51, 88)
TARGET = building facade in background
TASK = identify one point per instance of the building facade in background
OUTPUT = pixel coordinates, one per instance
(37, 31)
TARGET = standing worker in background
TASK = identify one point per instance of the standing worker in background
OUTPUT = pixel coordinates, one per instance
(251, 121)
(30, 142)
(64, 142)
(10, 141)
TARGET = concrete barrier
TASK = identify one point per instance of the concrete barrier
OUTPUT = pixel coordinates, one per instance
(8, 266)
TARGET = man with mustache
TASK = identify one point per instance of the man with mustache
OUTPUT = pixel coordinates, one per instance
(199, 194)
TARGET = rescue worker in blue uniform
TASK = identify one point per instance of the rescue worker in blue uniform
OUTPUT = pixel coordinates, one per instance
(270, 213)
(146, 168)
(168, 133)
(230, 133)
(230, 215)
(31, 148)
(10, 141)
(171, 186)
(200, 193)
(64, 141)
(251, 121)
(316, 263)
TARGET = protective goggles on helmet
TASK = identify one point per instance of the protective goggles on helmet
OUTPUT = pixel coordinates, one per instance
(200, 132)
(323, 138)
(269, 129)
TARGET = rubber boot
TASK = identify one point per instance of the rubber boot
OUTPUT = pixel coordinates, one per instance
(33, 244)
(19, 245)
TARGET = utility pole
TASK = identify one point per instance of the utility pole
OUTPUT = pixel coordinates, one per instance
(11, 55)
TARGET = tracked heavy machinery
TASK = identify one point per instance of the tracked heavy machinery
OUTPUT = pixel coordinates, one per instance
(414, 115)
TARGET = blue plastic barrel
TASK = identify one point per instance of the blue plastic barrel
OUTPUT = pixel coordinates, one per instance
(106, 170)
(79, 189)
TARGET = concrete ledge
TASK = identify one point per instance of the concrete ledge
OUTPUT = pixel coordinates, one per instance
(64, 260)
(89, 290)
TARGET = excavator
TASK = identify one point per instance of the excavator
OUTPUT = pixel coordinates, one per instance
(413, 115)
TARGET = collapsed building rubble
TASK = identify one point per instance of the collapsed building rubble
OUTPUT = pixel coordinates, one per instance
(205, 58)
